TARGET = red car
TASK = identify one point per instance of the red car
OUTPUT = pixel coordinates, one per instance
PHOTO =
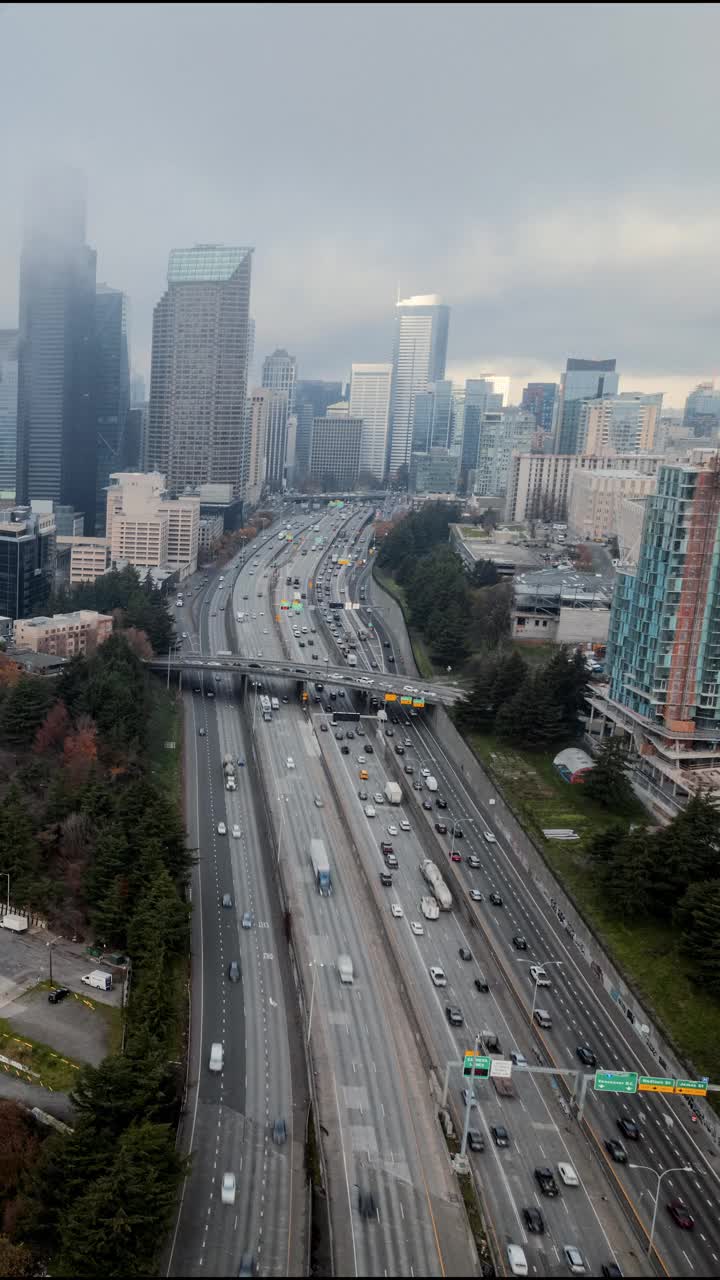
(680, 1214)
(455, 856)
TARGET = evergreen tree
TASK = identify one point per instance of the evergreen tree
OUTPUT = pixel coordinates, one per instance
(511, 675)
(484, 574)
(605, 846)
(698, 917)
(629, 878)
(566, 679)
(24, 708)
(608, 783)
(478, 713)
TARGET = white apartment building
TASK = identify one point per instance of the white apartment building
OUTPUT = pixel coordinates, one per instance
(148, 529)
(64, 634)
(538, 482)
(594, 499)
(370, 389)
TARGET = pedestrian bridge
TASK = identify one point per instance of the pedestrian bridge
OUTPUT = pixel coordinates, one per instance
(390, 688)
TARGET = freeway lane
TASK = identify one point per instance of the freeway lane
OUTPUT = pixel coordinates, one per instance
(234, 1112)
(380, 1134)
(584, 1014)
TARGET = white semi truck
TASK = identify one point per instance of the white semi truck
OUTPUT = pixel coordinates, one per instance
(229, 773)
(432, 877)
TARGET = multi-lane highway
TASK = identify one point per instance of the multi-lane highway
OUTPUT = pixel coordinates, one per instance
(381, 1139)
(380, 1136)
(232, 1114)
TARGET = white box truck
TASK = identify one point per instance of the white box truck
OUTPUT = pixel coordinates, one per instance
(393, 793)
(18, 924)
(98, 978)
(431, 783)
(345, 969)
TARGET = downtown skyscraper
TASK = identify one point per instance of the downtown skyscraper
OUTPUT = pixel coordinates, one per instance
(56, 429)
(111, 382)
(198, 379)
(419, 354)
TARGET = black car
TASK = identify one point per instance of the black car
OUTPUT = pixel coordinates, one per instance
(344, 750)
(409, 768)
(399, 750)
(386, 879)
(534, 1221)
(459, 833)
(453, 1013)
(611, 1271)
(441, 802)
(546, 1181)
(628, 1128)
(441, 828)
(481, 984)
(586, 1056)
(427, 804)
(495, 899)
(475, 1141)
(366, 1204)
(501, 1137)
(350, 734)
(369, 749)
(519, 942)
(58, 994)
(616, 1150)
(464, 953)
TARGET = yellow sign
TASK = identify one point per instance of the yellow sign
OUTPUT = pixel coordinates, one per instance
(391, 697)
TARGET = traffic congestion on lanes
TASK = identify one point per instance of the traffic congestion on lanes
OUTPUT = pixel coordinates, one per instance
(384, 1134)
(313, 776)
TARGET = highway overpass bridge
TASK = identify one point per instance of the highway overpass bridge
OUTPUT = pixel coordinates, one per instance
(393, 689)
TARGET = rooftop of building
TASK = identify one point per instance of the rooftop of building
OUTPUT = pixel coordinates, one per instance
(66, 619)
(566, 584)
(37, 663)
(205, 263)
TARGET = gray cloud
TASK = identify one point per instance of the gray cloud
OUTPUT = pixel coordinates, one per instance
(550, 170)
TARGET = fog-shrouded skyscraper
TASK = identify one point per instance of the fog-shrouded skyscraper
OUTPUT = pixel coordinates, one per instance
(312, 397)
(582, 380)
(702, 410)
(419, 354)
(279, 372)
(111, 389)
(56, 429)
(8, 408)
(539, 398)
(370, 388)
(198, 380)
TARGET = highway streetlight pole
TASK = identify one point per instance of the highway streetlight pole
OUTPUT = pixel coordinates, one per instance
(7, 877)
(685, 1168)
(539, 966)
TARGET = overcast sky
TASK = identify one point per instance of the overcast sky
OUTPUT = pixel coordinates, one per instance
(552, 171)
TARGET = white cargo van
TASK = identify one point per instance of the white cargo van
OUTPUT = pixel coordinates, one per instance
(517, 1260)
(431, 783)
(98, 978)
(345, 969)
(275, 704)
(216, 1057)
(568, 1175)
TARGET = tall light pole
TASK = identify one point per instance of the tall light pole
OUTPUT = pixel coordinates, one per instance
(7, 877)
(538, 965)
(685, 1168)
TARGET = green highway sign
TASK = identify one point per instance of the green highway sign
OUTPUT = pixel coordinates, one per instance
(692, 1086)
(482, 1065)
(616, 1081)
(656, 1084)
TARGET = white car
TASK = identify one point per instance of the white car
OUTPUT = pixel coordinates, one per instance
(425, 773)
(404, 824)
(362, 759)
(392, 829)
(417, 928)
(491, 839)
(369, 811)
(539, 976)
(290, 762)
(221, 829)
(227, 1191)
(236, 831)
(476, 895)
(438, 976)
(397, 910)
(379, 797)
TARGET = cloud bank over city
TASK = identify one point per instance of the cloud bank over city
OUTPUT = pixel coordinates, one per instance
(548, 170)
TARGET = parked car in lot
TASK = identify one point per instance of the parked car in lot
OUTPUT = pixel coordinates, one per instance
(58, 994)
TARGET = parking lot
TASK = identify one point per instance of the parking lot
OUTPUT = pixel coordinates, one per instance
(74, 1027)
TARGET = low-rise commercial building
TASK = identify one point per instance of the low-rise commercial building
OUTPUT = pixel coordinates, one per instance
(148, 529)
(89, 558)
(64, 634)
